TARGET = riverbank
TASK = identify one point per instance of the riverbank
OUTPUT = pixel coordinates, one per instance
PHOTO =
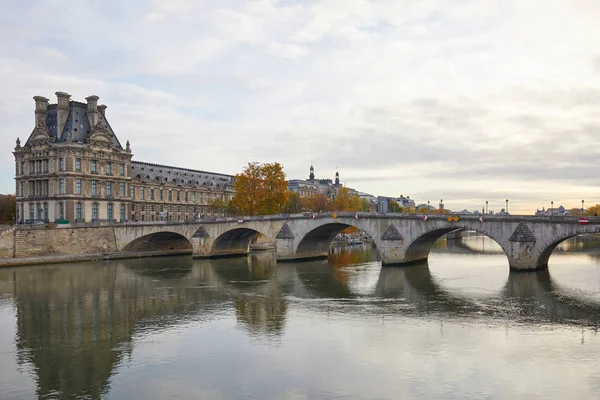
(68, 258)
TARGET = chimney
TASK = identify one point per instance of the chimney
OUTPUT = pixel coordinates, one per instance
(92, 110)
(62, 112)
(102, 109)
(41, 109)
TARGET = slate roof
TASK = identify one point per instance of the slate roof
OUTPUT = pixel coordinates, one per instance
(77, 124)
(163, 174)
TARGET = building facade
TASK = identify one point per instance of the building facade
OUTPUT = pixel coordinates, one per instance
(73, 167)
(311, 186)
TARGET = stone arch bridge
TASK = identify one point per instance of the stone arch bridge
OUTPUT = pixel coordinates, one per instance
(527, 241)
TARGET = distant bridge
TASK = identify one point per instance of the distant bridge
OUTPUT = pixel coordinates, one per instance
(527, 241)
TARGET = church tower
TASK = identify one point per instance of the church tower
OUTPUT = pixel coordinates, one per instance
(337, 178)
(311, 176)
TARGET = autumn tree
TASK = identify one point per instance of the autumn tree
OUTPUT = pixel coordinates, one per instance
(365, 206)
(422, 210)
(317, 202)
(260, 189)
(593, 210)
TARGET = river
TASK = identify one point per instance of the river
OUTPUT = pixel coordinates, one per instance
(460, 326)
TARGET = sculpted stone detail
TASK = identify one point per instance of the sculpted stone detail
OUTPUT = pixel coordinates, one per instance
(285, 232)
(392, 233)
(201, 233)
(522, 234)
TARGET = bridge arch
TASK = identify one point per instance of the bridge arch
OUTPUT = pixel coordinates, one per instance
(234, 241)
(549, 248)
(419, 247)
(163, 242)
(316, 242)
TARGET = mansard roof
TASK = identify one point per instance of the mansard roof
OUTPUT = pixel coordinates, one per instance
(163, 174)
(77, 125)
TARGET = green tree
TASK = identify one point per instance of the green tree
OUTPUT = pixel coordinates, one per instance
(293, 204)
(393, 206)
(260, 189)
(8, 208)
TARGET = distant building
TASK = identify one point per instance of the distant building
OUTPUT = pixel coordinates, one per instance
(406, 202)
(312, 186)
(551, 211)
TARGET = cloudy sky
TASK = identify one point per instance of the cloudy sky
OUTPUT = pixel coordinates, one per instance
(462, 100)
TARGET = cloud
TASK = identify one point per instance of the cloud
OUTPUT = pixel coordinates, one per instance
(497, 97)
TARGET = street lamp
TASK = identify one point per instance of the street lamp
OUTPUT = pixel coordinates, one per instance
(552, 207)
(486, 206)
(506, 206)
(582, 207)
(427, 206)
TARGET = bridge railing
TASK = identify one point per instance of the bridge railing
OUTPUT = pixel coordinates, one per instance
(344, 215)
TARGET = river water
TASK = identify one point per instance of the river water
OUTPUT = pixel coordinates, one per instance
(461, 326)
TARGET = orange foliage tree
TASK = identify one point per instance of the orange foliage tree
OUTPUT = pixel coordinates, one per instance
(260, 189)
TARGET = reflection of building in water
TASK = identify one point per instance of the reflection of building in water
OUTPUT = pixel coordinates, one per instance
(75, 324)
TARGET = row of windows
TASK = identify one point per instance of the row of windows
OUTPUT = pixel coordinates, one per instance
(42, 166)
(42, 188)
(187, 196)
(39, 211)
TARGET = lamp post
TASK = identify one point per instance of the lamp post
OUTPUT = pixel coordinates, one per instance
(427, 206)
(486, 206)
(506, 206)
(552, 207)
(581, 207)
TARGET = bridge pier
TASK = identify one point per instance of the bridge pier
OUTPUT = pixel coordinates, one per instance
(524, 256)
(201, 246)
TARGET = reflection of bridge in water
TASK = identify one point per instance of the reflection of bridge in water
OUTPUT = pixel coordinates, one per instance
(76, 324)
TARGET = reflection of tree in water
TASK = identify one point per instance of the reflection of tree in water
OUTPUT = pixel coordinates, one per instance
(261, 314)
(258, 301)
(340, 258)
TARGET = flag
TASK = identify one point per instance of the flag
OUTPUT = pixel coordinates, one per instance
(425, 217)
(481, 219)
(356, 216)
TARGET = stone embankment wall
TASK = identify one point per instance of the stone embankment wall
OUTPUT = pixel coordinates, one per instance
(7, 242)
(54, 243)
(39, 241)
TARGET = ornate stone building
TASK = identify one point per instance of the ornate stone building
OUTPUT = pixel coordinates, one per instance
(312, 186)
(74, 168)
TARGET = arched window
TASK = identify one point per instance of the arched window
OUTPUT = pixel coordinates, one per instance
(31, 211)
(61, 210)
(45, 211)
(78, 212)
(94, 211)
(122, 212)
(39, 212)
(109, 211)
